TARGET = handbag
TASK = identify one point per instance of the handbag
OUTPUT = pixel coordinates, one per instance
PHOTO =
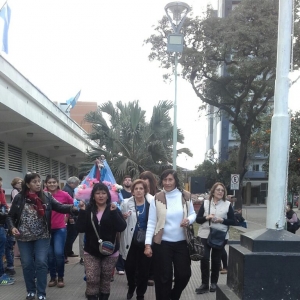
(216, 237)
(196, 249)
(105, 247)
(139, 236)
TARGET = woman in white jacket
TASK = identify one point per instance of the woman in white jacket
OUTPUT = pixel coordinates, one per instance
(135, 211)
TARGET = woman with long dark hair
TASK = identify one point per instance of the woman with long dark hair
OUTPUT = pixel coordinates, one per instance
(104, 217)
(150, 179)
(169, 214)
(29, 220)
(56, 257)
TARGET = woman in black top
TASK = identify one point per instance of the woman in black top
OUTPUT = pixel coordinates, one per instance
(108, 221)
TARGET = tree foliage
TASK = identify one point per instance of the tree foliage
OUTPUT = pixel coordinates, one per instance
(130, 143)
(230, 62)
(260, 142)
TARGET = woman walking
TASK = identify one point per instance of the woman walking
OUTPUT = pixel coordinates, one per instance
(56, 257)
(29, 220)
(100, 218)
(216, 212)
(135, 211)
(169, 215)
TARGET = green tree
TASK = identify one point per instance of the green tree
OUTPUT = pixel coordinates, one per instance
(130, 144)
(260, 142)
(244, 46)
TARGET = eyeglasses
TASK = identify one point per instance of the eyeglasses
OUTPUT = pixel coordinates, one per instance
(219, 190)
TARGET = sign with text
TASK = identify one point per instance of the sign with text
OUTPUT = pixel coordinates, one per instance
(235, 182)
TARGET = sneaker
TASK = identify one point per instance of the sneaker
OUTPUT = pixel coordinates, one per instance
(60, 282)
(42, 298)
(52, 282)
(204, 288)
(81, 261)
(30, 296)
(121, 272)
(5, 280)
(10, 272)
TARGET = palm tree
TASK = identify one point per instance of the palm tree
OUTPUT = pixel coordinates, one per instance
(130, 144)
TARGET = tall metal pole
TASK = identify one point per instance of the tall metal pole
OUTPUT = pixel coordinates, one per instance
(280, 121)
(175, 119)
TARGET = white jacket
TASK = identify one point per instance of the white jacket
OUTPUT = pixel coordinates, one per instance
(127, 234)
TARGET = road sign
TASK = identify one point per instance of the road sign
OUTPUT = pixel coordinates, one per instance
(235, 182)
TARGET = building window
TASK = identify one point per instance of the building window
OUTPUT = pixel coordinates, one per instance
(2, 155)
(32, 162)
(44, 164)
(55, 168)
(14, 159)
(255, 168)
(63, 171)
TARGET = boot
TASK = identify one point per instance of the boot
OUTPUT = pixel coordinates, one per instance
(104, 296)
(92, 297)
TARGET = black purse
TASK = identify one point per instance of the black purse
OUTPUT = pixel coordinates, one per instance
(216, 237)
(139, 236)
(196, 249)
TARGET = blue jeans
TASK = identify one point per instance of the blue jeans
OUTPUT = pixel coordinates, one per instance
(56, 257)
(2, 248)
(9, 251)
(34, 259)
(120, 266)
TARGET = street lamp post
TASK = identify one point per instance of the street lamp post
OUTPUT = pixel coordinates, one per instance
(176, 13)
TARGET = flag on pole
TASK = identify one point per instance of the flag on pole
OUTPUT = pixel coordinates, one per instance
(4, 25)
(72, 101)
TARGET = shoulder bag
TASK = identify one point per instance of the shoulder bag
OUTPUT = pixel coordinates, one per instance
(196, 249)
(105, 247)
(216, 237)
(139, 236)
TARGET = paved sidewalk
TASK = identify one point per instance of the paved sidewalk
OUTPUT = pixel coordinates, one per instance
(75, 286)
(74, 273)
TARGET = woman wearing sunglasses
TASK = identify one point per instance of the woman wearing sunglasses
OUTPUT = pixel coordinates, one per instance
(215, 212)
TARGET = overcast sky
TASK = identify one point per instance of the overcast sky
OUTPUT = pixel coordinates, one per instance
(97, 47)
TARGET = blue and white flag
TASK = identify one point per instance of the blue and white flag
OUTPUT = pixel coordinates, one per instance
(4, 25)
(72, 101)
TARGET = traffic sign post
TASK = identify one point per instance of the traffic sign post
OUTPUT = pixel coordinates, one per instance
(235, 182)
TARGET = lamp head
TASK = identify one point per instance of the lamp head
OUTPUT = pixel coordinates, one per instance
(179, 11)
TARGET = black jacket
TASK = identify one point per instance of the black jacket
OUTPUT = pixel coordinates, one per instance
(111, 223)
(14, 215)
(69, 190)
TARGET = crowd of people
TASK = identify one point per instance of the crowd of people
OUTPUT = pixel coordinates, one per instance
(143, 238)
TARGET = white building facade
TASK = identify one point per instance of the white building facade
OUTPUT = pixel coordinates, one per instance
(35, 134)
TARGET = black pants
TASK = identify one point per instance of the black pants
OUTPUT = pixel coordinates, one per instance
(71, 237)
(166, 256)
(224, 259)
(137, 267)
(215, 255)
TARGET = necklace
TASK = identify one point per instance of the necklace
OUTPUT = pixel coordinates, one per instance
(138, 213)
